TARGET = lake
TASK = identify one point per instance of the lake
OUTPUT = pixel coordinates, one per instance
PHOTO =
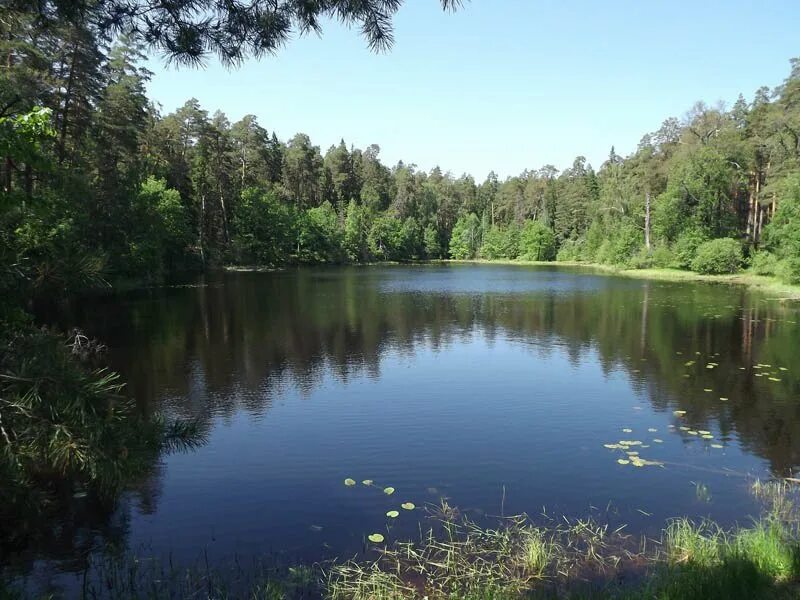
(494, 387)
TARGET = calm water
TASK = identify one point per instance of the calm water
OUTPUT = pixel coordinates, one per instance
(495, 387)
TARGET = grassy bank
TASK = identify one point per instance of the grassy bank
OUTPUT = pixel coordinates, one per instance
(761, 282)
(516, 558)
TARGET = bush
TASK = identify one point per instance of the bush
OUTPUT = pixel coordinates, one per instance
(571, 250)
(716, 257)
(789, 270)
(658, 257)
(764, 263)
(685, 247)
(620, 246)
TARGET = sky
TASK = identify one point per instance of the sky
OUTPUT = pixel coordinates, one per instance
(503, 85)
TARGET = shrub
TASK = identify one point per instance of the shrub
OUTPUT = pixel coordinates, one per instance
(764, 263)
(789, 270)
(620, 246)
(658, 257)
(685, 247)
(716, 257)
(570, 250)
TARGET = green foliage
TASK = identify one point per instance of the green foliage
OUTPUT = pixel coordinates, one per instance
(319, 236)
(620, 247)
(571, 250)
(160, 233)
(188, 32)
(537, 242)
(265, 228)
(386, 238)
(500, 242)
(433, 248)
(67, 428)
(782, 234)
(23, 136)
(356, 229)
(789, 269)
(466, 237)
(686, 245)
(659, 257)
(717, 257)
(764, 263)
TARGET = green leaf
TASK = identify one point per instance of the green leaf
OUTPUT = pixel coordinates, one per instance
(375, 538)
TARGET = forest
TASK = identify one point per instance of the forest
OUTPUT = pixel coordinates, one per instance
(99, 186)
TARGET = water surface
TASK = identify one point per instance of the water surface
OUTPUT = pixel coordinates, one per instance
(495, 387)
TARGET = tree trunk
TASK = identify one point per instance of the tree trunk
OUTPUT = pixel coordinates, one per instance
(224, 216)
(202, 226)
(647, 220)
(62, 134)
(751, 204)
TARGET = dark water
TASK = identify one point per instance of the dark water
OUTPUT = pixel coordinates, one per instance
(495, 387)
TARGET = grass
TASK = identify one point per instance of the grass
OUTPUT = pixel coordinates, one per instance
(581, 559)
(517, 559)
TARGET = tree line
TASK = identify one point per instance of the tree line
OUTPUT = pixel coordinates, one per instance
(105, 182)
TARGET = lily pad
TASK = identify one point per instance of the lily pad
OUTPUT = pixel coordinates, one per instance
(375, 538)
(658, 441)
(652, 429)
(349, 482)
(367, 482)
(717, 446)
(408, 505)
(392, 514)
(623, 461)
(678, 413)
(388, 491)
(627, 430)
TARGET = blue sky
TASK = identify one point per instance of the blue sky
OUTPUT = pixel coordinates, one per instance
(504, 85)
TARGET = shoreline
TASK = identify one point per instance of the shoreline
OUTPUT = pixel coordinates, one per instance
(762, 283)
(745, 278)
